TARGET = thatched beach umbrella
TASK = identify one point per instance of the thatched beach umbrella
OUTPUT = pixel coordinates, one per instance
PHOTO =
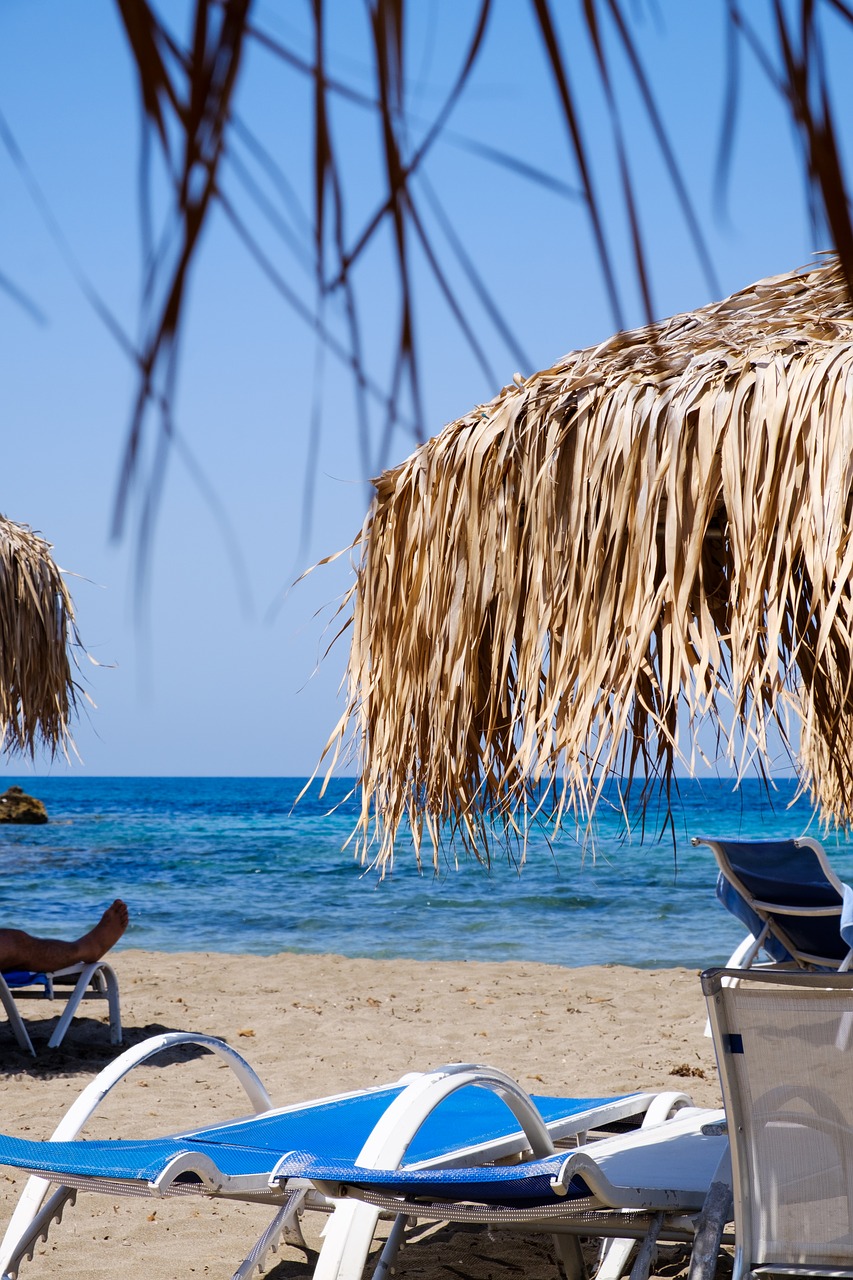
(37, 692)
(568, 582)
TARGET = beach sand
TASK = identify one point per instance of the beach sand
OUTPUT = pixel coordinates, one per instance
(313, 1025)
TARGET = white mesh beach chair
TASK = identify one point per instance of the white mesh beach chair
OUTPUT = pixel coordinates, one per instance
(75, 984)
(784, 1044)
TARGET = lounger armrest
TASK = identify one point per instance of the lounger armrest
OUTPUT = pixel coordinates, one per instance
(397, 1127)
(94, 1093)
(79, 1112)
(195, 1162)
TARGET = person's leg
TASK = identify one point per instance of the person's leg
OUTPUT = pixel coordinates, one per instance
(20, 950)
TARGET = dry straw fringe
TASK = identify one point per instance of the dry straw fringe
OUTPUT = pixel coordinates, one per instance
(567, 583)
(37, 692)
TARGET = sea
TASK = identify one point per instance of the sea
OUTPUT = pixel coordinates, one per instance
(238, 865)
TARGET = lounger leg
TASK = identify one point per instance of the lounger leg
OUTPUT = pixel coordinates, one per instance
(570, 1254)
(346, 1242)
(270, 1237)
(615, 1255)
(108, 973)
(23, 1244)
(16, 1022)
(71, 1006)
(384, 1266)
(716, 1212)
(647, 1251)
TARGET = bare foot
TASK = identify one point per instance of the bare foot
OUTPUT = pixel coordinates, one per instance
(106, 932)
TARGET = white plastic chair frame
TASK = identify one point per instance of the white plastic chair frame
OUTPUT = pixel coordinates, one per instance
(96, 980)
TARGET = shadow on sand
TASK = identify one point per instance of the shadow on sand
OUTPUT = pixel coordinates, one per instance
(85, 1050)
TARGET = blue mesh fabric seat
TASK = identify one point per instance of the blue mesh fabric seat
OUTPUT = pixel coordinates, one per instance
(789, 899)
(666, 1167)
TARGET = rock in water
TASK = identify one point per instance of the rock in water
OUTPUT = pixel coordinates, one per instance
(17, 806)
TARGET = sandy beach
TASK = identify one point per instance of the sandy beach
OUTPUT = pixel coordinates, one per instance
(313, 1025)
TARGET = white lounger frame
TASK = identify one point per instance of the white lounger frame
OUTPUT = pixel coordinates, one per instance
(95, 981)
(349, 1234)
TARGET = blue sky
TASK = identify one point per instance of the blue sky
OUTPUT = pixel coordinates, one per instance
(220, 672)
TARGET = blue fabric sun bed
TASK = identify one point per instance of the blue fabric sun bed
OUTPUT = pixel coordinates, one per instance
(666, 1167)
(252, 1148)
(789, 899)
(643, 1186)
(459, 1114)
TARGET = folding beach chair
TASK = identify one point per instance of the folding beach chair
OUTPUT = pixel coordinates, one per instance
(456, 1114)
(76, 983)
(791, 901)
(784, 1045)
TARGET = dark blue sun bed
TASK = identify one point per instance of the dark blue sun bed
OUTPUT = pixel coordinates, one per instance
(790, 900)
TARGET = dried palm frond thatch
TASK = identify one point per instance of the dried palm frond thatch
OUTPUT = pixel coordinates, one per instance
(37, 692)
(569, 581)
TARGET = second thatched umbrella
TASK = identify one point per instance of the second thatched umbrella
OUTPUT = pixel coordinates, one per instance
(568, 582)
(37, 688)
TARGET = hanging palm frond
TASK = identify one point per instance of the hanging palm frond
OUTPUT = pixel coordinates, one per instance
(37, 692)
(652, 536)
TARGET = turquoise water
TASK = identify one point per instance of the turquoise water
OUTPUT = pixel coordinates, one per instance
(227, 864)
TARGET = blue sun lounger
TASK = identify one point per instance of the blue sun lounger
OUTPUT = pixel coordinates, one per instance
(456, 1114)
(649, 1185)
(783, 1039)
(616, 1172)
(790, 900)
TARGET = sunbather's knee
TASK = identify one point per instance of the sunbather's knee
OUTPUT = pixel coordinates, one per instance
(14, 944)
